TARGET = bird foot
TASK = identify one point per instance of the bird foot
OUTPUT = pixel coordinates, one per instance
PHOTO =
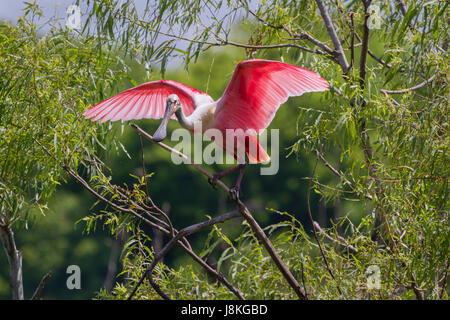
(213, 181)
(234, 193)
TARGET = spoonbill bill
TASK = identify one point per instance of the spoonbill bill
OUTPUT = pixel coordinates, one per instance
(255, 92)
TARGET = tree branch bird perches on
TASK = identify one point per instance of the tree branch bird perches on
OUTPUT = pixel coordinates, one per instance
(247, 107)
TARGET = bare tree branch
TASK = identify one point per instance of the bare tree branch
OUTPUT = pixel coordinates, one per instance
(417, 291)
(273, 46)
(361, 102)
(211, 271)
(402, 7)
(182, 233)
(244, 212)
(352, 41)
(183, 242)
(306, 36)
(14, 260)
(404, 10)
(444, 280)
(365, 46)
(166, 217)
(370, 52)
(224, 42)
(378, 59)
(418, 86)
(299, 36)
(40, 287)
(334, 37)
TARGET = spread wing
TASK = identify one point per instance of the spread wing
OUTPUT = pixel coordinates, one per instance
(256, 91)
(147, 100)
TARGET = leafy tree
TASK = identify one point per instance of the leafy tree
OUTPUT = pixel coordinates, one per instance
(46, 82)
(374, 146)
(384, 145)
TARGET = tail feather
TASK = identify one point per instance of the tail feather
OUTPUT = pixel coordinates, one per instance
(255, 152)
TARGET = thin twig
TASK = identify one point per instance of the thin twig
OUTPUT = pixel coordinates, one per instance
(370, 52)
(420, 85)
(338, 174)
(125, 198)
(182, 233)
(211, 271)
(340, 240)
(303, 280)
(157, 288)
(86, 185)
(144, 171)
(40, 287)
(110, 203)
(308, 196)
(378, 59)
(388, 230)
(352, 42)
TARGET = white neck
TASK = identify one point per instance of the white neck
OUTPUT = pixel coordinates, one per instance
(184, 121)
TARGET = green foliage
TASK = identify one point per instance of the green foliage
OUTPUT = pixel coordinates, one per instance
(388, 151)
(46, 83)
(245, 262)
(381, 183)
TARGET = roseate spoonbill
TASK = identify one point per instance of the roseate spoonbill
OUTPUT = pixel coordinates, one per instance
(253, 95)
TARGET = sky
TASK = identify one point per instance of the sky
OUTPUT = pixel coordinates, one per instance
(56, 11)
(11, 10)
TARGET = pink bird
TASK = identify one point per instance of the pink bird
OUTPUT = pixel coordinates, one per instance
(250, 101)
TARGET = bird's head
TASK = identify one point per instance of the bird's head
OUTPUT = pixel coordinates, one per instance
(172, 105)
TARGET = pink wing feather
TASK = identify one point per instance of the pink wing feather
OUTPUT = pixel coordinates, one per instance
(147, 100)
(256, 91)
(253, 96)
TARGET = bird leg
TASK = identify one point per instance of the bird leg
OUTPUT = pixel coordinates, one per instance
(237, 186)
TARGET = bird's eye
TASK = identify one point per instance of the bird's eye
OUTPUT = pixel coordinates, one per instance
(173, 99)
